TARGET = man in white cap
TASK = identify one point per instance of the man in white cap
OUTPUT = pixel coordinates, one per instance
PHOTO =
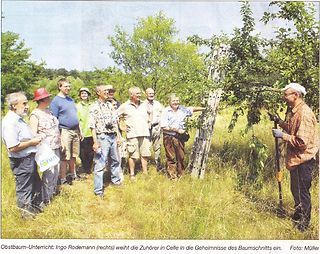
(300, 135)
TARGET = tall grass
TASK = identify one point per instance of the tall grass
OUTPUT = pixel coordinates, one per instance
(155, 208)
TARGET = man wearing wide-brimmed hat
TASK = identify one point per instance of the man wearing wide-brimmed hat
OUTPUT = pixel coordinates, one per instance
(45, 124)
(300, 135)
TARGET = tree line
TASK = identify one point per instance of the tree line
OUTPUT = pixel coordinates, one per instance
(151, 56)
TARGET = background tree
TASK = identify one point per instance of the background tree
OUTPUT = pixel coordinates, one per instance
(151, 57)
(18, 73)
(248, 80)
(294, 53)
(257, 68)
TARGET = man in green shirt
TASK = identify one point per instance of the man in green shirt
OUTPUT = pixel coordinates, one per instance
(86, 152)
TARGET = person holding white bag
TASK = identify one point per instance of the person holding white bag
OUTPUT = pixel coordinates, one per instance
(45, 124)
(22, 147)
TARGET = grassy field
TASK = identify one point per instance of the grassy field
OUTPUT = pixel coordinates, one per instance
(155, 208)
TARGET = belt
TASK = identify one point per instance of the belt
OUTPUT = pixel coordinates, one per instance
(70, 129)
(107, 133)
(169, 134)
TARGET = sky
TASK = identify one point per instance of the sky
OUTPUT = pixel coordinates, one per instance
(73, 34)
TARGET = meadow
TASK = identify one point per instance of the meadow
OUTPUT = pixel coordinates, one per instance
(217, 207)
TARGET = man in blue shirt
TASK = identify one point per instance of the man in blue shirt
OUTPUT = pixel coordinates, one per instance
(173, 125)
(64, 108)
(21, 145)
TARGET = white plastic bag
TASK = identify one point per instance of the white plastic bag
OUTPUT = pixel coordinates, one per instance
(45, 157)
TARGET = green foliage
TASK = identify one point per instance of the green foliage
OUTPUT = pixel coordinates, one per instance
(150, 57)
(294, 54)
(257, 159)
(248, 81)
(61, 72)
(52, 88)
(216, 59)
(18, 73)
(251, 153)
(256, 68)
(112, 76)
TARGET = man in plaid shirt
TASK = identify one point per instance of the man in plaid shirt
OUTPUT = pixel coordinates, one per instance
(300, 135)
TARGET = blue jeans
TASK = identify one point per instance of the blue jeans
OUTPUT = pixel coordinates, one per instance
(109, 150)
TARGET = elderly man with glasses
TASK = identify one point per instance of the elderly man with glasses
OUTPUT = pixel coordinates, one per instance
(21, 145)
(300, 135)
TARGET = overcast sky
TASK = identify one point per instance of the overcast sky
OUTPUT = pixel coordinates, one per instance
(73, 34)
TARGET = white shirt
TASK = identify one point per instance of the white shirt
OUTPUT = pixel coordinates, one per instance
(154, 110)
(136, 119)
(14, 131)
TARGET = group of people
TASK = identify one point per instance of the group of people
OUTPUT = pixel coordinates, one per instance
(99, 131)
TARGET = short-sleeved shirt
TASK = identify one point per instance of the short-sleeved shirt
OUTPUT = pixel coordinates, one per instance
(174, 119)
(154, 112)
(83, 109)
(48, 126)
(103, 118)
(301, 136)
(65, 110)
(136, 119)
(14, 131)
